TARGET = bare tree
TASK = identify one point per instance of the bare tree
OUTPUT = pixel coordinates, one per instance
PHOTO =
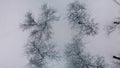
(76, 57)
(80, 20)
(39, 46)
(83, 26)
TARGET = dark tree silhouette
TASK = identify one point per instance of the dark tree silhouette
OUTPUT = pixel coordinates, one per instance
(39, 46)
(83, 26)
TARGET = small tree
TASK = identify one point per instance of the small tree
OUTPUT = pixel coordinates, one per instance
(76, 57)
(80, 20)
(40, 47)
(83, 26)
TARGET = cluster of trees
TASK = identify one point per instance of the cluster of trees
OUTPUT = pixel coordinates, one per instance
(40, 48)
